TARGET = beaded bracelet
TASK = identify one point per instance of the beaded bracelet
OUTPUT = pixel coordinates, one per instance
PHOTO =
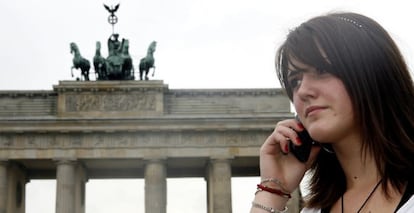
(269, 209)
(260, 187)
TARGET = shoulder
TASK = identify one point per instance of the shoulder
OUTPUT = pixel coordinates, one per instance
(408, 206)
(308, 210)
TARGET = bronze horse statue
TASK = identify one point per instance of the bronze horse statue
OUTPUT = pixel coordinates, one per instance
(147, 62)
(117, 66)
(99, 63)
(127, 66)
(79, 62)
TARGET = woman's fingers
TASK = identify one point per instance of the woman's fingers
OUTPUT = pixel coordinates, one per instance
(275, 159)
(283, 134)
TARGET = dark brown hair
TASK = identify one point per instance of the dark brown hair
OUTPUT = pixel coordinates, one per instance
(357, 50)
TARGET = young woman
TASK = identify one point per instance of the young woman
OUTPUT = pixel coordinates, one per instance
(353, 93)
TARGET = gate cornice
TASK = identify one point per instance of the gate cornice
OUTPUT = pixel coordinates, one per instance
(154, 124)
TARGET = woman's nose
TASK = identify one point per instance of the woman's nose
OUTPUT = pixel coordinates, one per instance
(306, 87)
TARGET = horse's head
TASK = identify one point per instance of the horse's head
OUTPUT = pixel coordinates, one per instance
(152, 47)
(125, 46)
(98, 49)
(98, 45)
(73, 48)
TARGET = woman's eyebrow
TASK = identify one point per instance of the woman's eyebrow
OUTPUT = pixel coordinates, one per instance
(294, 72)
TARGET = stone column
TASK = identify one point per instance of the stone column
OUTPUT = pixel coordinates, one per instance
(219, 186)
(80, 187)
(155, 187)
(17, 179)
(65, 186)
(3, 186)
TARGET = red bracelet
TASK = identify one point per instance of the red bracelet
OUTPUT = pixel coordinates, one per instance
(273, 191)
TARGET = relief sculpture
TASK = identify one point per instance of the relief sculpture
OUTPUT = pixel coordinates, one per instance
(110, 102)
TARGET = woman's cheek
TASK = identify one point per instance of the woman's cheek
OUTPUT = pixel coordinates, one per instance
(298, 105)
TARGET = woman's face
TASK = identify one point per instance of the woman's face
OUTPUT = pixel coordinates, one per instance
(322, 103)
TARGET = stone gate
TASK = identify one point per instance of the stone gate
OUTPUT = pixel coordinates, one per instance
(132, 129)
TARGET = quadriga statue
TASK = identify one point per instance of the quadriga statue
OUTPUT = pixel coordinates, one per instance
(119, 64)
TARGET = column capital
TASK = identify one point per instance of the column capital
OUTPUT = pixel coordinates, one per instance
(59, 161)
(221, 158)
(155, 160)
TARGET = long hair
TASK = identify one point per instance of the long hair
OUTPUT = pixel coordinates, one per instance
(357, 50)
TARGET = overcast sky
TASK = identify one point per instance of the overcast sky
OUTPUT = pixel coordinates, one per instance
(201, 44)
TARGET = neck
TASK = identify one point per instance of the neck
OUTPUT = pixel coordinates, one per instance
(360, 169)
(366, 199)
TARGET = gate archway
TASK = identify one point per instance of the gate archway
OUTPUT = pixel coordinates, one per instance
(132, 129)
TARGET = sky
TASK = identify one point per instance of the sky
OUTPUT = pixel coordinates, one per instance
(200, 44)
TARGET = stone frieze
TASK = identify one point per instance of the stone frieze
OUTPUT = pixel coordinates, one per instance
(110, 102)
(131, 140)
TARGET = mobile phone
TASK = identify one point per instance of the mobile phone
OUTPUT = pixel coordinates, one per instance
(302, 152)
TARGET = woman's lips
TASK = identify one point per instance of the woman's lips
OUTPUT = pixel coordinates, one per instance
(313, 109)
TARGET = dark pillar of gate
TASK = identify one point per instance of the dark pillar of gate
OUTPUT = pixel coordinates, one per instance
(219, 186)
(13, 180)
(155, 186)
(80, 187)
(17, 179)
(3, 186)
(70, 186)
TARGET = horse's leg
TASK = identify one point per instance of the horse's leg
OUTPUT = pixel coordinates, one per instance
(140, 74)
(145, 74)
(85, 74)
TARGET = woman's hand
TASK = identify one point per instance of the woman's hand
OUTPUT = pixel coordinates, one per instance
(277, 162)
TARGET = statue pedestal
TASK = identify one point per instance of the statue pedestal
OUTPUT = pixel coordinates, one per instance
(110, 99)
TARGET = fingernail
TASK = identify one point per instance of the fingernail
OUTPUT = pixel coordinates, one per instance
(298, 140)
(286, 148)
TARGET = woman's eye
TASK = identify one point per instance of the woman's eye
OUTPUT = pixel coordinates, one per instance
(295, 83)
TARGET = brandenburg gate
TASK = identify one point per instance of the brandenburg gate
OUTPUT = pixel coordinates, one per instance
(132, 129)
